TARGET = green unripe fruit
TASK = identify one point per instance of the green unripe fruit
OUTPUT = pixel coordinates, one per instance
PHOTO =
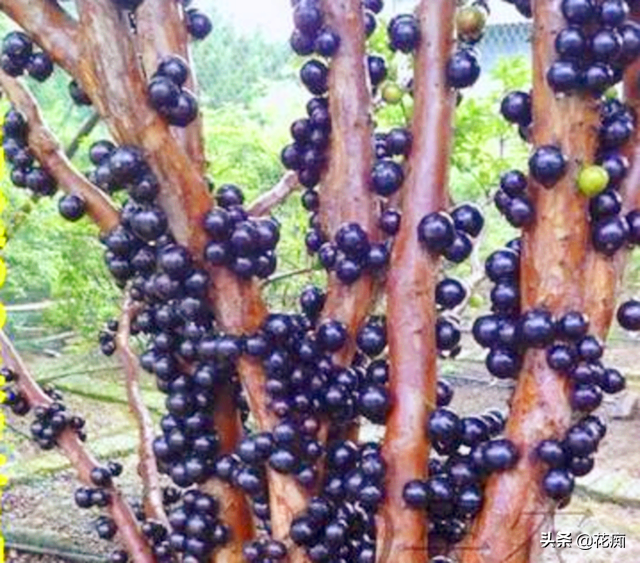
(592, 180)
(392, 93)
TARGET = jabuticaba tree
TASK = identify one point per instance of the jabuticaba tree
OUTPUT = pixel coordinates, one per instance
(296, 483)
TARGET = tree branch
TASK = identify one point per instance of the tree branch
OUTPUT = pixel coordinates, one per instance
(113, 78)
(162, 31)
(411, 282)
(345, 195)
(278, 194)
(51, 155)
(85, 129)
(555, 253)
(51, 27)
(147, 466)
(116, 84)
(79, 457)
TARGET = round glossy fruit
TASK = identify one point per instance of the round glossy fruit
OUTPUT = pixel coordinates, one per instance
(314, 76)
(386, 177)
(450, 292)
(163, 93)
(327, 43)
(500, 455)
(592, 180)
(516, 108)
(415, 494)
(613, 381)
(574, 325)
(564, 76)
(463, 69)
(40, 66)
(468, 218)
(578, 12)
(174, 68)
(609, 235)
(78, 95)
(72, 207)
(571, 43)
(436, 231)
(547, 165)
(536, 328)
(552, 453)
(558, 484)
(503, 363)
(404, 33)
(198, 24)
(628, 315)
(513, 183)
(502, 264)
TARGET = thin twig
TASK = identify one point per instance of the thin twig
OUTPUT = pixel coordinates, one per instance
(147, 465)
(79, 457)
(264, 204)
(413, 274)
(51, 155)
(287, 275)
(85, 129)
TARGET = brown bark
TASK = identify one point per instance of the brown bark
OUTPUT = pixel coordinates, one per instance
(110, 72)
(411, 282)
(52, 156)
(345, 194)
(79, 457)
(553, 266)
(147, 465)
(112, 76)
(162, 31)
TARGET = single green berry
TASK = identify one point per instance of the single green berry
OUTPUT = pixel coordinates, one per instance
(592, 180)
(392, 93)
